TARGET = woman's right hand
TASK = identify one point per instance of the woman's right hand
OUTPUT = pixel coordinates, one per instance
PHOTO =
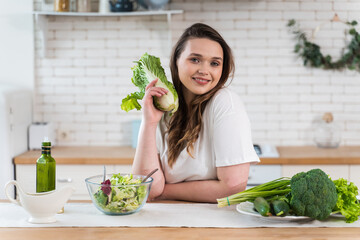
(152, 115)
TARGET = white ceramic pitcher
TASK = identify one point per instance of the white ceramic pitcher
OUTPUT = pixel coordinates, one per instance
(42, 207)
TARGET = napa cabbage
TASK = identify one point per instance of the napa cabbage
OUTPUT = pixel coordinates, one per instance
(147, 69)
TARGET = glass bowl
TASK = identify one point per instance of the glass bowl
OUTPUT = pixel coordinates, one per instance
(120, 199)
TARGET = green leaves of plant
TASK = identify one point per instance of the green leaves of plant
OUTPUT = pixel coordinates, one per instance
(313, 57)
(291, 23)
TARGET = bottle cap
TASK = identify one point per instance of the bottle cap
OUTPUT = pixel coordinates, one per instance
(46, 142)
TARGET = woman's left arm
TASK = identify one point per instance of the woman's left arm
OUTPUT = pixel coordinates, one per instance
(231, 180)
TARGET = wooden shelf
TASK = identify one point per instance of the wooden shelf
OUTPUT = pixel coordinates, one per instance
(111, 14)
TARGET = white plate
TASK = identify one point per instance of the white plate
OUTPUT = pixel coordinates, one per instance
(247, 208)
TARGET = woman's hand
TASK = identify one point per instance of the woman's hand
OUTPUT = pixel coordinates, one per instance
(152, 115)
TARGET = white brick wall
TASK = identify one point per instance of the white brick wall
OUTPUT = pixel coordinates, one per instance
(79, 87)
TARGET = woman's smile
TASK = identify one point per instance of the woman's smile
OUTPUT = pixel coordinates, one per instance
(201, 81)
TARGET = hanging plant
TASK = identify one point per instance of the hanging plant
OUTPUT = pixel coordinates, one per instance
(313, 57)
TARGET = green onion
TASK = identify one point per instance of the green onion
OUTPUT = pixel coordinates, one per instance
(280, 186)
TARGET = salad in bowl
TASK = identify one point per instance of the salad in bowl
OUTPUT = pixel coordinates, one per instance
(119, 194)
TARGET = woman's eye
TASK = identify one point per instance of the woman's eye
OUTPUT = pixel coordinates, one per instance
(215, 64)
(195, 60)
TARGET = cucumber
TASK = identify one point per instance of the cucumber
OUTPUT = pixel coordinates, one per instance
(262, 206)
(280, 207)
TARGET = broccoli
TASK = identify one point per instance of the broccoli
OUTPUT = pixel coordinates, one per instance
(313, 194)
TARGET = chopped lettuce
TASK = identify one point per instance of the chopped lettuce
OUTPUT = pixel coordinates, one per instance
(101, 198)
(149, 68)
(121, 193)
(123, 197)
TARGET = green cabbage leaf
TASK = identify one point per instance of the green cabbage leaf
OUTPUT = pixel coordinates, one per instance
(147, 69)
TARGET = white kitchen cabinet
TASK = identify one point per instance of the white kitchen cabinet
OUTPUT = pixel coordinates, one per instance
(259, 174)
(334, 171)
(122, 168)
(355, 175)
(75, 175)
(72, 175)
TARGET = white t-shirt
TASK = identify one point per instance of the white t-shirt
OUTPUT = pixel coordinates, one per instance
(224, 140)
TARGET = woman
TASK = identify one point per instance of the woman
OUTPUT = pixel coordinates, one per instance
(203, 152)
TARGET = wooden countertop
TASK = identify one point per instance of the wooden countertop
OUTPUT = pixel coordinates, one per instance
(315, 155)
(82, 155)
(124, 155)
(160, 233)
(165, 233)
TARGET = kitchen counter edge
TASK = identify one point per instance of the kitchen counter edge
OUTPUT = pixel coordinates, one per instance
(288, 155)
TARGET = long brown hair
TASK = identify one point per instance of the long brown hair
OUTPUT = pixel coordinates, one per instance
(185, 125)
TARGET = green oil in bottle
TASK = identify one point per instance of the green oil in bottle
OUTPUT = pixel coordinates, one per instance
(45, 169)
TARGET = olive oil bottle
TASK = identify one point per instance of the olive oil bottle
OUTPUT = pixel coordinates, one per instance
(45, 169)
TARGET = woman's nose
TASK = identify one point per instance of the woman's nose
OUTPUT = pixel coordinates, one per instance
(203, 71)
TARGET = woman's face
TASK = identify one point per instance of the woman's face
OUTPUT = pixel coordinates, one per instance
(200, 66)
